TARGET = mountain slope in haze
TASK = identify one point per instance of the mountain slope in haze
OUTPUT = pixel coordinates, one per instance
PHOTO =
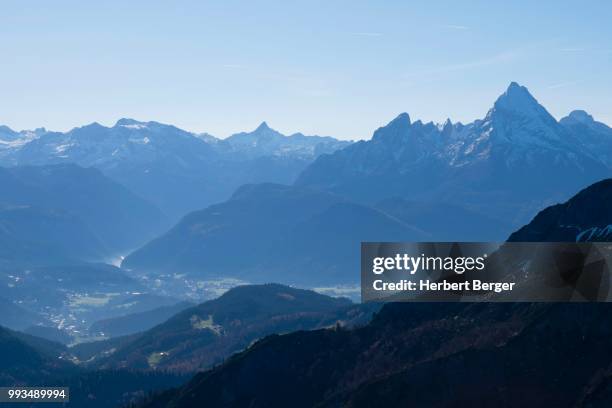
(595, 135)
(469, 354)
(513, 162)
(136, 322)
(207, 334)
(178, 171)
(42, 235)
(12, 141)
(120, 219)
(443, 221)
(271, 232)
(49, 332)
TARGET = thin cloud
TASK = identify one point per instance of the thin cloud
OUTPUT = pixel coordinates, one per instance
(572, 49)
(564, 84)
(499, 58)
(368, 34)
(591, 50)
(503, 57)
(455, 27)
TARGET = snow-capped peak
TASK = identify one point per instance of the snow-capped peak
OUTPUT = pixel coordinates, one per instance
(518, 99)
(130, 124)
(6, 133)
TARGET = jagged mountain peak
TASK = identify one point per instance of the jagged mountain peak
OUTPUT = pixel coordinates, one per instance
(263, 126)
(263, 130)
(517, 98)
(263, 133)
(398, 126)
(401, 120)
(447, 127)
(267, 141)
(518, 119)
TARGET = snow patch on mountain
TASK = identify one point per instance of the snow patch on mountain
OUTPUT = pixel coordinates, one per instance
(595, 234)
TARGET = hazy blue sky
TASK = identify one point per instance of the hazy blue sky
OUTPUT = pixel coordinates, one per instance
(340, 68)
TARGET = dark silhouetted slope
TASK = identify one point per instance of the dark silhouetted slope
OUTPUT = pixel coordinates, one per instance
(585, 217)
(207, 334)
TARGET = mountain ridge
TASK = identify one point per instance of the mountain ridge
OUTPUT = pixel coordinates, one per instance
(514, 161)
(206, 334)
(177, 170)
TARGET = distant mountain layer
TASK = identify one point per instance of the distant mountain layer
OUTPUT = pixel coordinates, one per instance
(265, 141)
(177, 170)
(40, 236)
(66, 211)
(512, 163)
(435, 355)
(207, 334)
(271, 232)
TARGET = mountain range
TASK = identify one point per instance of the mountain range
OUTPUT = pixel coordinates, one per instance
(503, 168)
(261, 206)
(176, 170)
(515, 161)
(410, 182)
